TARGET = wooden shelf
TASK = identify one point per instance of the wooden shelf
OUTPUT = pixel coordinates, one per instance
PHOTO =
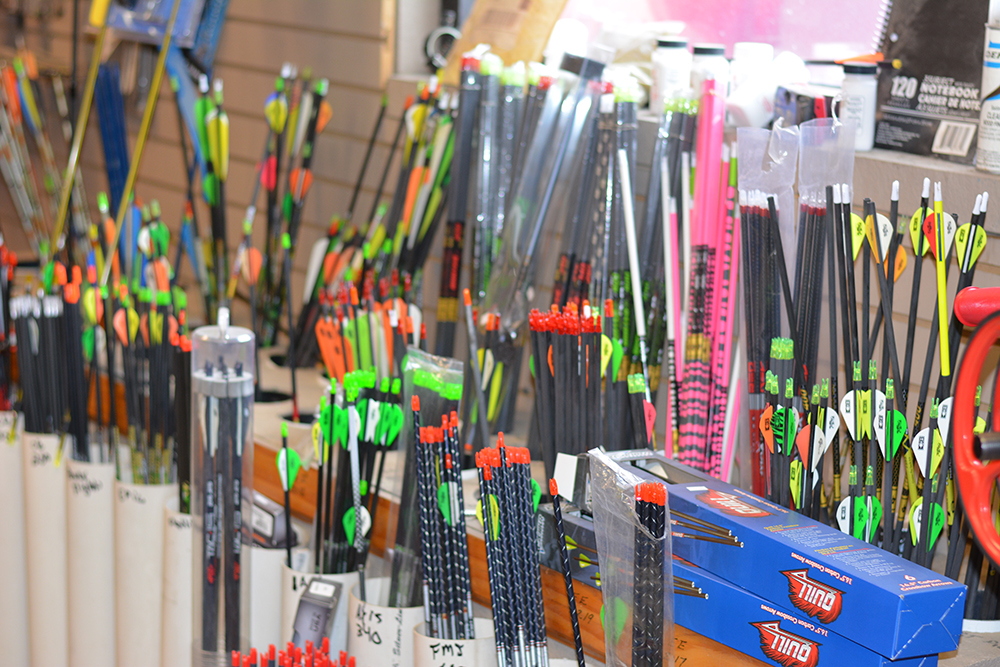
(692, 650)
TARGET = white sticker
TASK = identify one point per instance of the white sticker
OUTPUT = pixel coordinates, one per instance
(322, 589)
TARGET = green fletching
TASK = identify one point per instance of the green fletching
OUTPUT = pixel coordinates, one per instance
(208, 184)
(617, 353)
(48, 276)
(444, 502)
(88, 343)
(349, 525)
(536, 495)
(395, 423)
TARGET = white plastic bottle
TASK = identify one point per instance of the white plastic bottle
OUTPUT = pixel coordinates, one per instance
(857, 102)
(709, 62)
(748, 58)
(671, 71)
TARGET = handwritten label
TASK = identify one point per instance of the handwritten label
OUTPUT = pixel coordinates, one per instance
(179, 522)
(130, 495)
(448, 654)
(40, 454)
(82, 485)
(368, 623)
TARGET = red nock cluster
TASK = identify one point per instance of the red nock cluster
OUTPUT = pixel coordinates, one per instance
(651, 492)
(568, 322)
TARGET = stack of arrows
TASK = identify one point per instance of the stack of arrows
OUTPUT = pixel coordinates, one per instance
(509, 498)
(899, 470)
(444, 550)
(357, 425)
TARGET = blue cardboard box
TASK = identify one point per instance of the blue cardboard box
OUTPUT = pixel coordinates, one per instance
(848, 587)
(754, 626)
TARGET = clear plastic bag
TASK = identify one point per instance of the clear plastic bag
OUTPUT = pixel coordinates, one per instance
(438, 383)
(617, 528)
(766, 168)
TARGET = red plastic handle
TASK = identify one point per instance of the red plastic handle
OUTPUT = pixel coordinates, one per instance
(976, 478)
(975, 304)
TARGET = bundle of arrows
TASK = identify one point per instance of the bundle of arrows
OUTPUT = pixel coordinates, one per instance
(365, 420)
(899, 470)
(34, 189)
(561, 152)
(444, 549)
(293, 656)
(508, 500)
(382, 255)
(576, 374)
(68, 350)
(417, 562)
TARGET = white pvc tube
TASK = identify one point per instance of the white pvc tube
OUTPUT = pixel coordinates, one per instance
(13, 555)
(176, 610)
(294, 584)
(90, 536)
(377, 635)
(139, 520)
(478, 652)
(265, 592)
(45, 532)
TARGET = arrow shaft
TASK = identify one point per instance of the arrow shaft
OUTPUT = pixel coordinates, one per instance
(140, 141)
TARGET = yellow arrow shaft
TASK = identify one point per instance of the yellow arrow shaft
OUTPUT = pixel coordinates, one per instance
(81, 127)
(140, 142)
(942, 289)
